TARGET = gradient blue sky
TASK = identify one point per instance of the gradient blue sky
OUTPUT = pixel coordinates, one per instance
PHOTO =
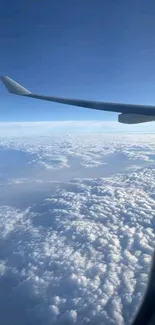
(99, 50)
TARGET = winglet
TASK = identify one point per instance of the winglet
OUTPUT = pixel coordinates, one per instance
(13, 87)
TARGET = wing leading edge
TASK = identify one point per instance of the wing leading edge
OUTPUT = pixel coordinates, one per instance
(130, 113)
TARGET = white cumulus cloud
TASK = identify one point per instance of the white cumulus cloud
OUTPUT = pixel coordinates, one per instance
(80, 251)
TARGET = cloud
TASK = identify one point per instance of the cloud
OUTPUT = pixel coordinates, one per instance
(79, 154)
(81, 255)
(76, 250)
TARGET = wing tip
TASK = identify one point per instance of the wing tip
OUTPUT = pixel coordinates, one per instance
(14, 87)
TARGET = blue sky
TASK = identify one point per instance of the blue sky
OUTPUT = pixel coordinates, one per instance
(101, 50)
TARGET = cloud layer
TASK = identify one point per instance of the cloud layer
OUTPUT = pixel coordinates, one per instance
(81, 254)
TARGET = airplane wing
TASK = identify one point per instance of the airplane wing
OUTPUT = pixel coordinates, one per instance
(130, 113)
